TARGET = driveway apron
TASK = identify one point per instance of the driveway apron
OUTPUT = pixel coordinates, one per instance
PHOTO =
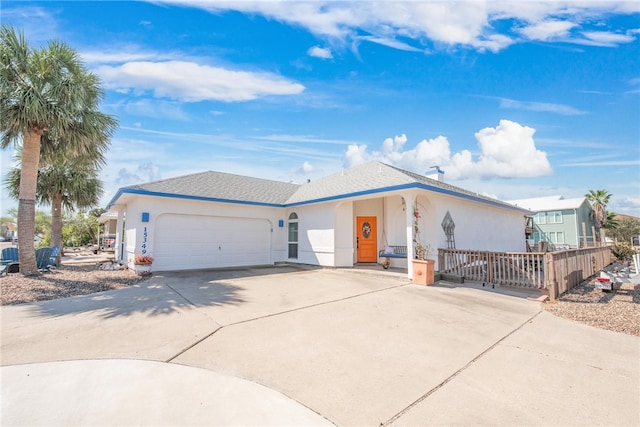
(353, 348)
(360, 361)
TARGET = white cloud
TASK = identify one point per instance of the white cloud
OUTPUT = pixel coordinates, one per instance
(392, 43)
(496, 42)
(599, 162)
(7, 160)
(191, 82)
(124, 53)
(305, 139)
(320, 52)
(37, 23)
(605, 38)
(546, 30)
(146, 172)
(540, 106)
(356, 154)
(390, 145)
(634, 82)
(509, 151)
(472, 24)
(133, 161)
(305, 169)
(153, 108)
(506, 151)
(629, 205)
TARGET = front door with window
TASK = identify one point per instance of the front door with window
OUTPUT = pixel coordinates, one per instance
(367, 239)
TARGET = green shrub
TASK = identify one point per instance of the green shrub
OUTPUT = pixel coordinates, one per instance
(623, 251)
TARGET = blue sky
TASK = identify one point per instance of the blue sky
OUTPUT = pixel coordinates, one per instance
(511, 99)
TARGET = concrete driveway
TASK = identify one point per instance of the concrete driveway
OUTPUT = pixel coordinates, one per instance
(290, 346)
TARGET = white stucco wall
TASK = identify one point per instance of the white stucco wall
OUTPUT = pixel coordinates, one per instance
(157, 206)
(315, 234)
(477, 226)
(343, 236)
(326, 231)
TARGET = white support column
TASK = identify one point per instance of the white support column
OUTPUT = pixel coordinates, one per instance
(410, 202)
(119, 245)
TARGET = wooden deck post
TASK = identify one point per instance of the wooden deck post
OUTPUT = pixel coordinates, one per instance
(550, 276)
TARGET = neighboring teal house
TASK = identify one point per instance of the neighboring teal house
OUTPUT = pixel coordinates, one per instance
(561, 223)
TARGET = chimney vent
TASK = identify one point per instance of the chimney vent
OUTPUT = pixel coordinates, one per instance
(436, 173)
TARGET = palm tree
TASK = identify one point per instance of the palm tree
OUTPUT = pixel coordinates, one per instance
(599, 200)
(611, 223)
(47, 98)
(66, 184)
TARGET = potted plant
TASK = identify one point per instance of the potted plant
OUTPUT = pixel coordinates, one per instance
(142, 264)
(424, 271)
(423, 268)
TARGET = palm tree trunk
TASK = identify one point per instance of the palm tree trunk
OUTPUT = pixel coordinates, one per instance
(27, 201)
(56, 223)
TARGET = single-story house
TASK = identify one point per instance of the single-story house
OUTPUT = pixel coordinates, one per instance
(107, 239)
(214, 220)
(561, 223)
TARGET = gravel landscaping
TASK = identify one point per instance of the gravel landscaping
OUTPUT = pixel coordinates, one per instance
(62, 282)
(618, 310)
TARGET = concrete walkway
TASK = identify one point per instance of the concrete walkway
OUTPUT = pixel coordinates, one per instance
(288, 346)
(120, 392)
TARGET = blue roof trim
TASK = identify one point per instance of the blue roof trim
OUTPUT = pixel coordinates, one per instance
(184, 196)
(409, 186)
(417, 185)
(113, 199)
(354, 194)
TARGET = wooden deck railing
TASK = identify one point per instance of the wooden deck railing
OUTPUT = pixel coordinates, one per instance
(554, 272)
(570, 268)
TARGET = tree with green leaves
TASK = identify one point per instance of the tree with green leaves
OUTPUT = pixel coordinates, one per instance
(81, 229)
(599, 200)
(626, 229)
(5, 225)
(65, 184)
(43, 227)
(48, 100)
(611, 223)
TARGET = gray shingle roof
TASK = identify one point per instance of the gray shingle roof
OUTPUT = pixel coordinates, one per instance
(549, 203)
(378, 176)
(364, 179)
(367, 177)
(219, 185)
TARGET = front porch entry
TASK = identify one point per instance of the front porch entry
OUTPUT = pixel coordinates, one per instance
(385, 222)
(367, 239)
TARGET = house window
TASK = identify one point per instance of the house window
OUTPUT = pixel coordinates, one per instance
(556, 237)
(554, 217)
(539, 236)
(293, 236)
(540, 218)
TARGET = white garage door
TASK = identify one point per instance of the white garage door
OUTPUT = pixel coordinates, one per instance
(184, 242)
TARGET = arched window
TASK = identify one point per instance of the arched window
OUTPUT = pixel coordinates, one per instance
(293, 236)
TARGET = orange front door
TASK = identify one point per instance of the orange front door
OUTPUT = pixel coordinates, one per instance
(367, 239)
